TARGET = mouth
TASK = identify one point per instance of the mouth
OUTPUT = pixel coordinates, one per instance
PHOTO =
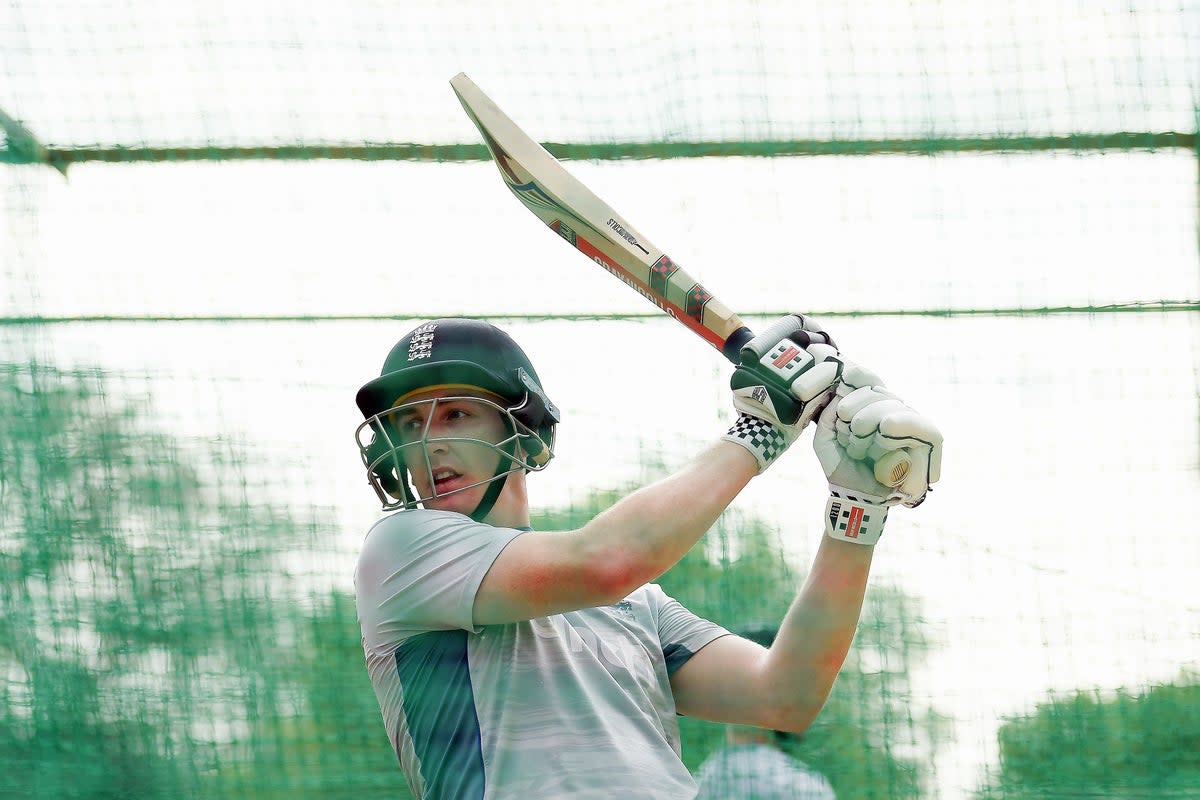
(445, 479)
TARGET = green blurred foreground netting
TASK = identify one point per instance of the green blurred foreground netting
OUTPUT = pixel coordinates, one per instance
(214, 223)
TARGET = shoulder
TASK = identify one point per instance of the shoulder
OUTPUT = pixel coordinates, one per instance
(411, 522)
(674, 621)
(651, 594)
(408, 527)
(657, 600)
(407, 536)
(424, 568)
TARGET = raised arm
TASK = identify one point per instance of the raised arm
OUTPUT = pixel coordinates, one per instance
(645, 533)
(783, 688)
(632, 542)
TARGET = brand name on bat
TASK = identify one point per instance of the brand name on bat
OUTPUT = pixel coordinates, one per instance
(653, 298)
(626, 235)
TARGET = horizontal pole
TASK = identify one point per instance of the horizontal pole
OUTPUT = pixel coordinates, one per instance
(1158, 306)
(63, 157)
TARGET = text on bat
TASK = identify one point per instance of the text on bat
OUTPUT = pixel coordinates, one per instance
(632, 284)
(626, 235)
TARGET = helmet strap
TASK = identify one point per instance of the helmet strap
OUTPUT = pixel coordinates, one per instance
(503, 470)
(489, 497)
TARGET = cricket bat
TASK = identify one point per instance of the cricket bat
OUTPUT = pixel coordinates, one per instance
(576, 214)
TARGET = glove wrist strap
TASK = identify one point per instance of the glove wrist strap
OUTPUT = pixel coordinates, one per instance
(850, 519)
(764, 441)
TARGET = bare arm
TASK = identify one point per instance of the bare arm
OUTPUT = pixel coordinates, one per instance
(784, 688)
(735, 680)
(629, 544)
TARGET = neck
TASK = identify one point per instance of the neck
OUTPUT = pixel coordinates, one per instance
(512, 506)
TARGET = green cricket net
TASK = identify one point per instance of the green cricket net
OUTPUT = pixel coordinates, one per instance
(216, 220)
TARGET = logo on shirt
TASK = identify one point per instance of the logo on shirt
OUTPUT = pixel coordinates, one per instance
(618, 652)
(624, 608)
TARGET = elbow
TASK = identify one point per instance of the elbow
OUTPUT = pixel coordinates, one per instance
(793, 707)
(795, 717)
(611, 577)
(611, 569)
(794, 722)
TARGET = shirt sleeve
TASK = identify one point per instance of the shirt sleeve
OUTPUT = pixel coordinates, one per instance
(420, 570)
(681, 632)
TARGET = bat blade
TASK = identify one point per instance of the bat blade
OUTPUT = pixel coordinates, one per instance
(576, 214)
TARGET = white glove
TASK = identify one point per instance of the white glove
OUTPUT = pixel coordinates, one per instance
(864, 423)
(786, 375)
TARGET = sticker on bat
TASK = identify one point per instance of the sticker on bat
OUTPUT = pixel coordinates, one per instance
(561, 228)
(660, 275)
(697, 299)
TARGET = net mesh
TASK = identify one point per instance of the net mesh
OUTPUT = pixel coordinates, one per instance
(217, 221)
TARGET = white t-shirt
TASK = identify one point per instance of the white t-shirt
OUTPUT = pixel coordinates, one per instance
(759, 772)
(575, 705)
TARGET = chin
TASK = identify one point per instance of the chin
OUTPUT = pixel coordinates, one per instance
(462, 502)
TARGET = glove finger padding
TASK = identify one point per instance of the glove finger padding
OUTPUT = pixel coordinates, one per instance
(859, 414)
(855, 376)
(916, 434)
(844, 472)
(800, 328)
(861, 425)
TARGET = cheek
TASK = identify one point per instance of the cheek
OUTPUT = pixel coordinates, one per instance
(418, 466)
(481, 459)
(499, 434)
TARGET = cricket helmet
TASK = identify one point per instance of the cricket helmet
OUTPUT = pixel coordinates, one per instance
(455, 354)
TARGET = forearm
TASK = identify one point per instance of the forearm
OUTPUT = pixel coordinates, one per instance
(646, 532)
(815, 635)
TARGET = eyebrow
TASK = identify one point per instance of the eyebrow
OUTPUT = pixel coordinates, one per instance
(405, 416)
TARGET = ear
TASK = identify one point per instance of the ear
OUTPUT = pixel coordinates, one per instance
(395, 486)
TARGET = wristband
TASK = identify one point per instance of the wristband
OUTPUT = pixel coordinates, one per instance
(853, 520)
(764, 441)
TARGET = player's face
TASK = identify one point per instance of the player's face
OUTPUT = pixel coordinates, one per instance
(435, 427)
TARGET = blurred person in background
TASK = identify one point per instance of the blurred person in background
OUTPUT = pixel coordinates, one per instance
(753, 763)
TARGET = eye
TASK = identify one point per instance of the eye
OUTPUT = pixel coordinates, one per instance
(408, 424)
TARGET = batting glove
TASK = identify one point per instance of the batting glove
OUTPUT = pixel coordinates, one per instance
(863, 424)
(785, 376)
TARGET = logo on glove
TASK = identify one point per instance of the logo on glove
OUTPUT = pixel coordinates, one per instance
(759, 395)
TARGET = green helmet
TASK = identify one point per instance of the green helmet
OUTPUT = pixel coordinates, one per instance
(454, 353)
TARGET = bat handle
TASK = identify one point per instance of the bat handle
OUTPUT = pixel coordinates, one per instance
(732, 347)
(892, 467)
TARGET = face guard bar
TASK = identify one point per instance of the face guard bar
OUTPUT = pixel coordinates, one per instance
(383, 448)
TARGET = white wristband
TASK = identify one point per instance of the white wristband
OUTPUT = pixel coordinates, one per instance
(854, 520)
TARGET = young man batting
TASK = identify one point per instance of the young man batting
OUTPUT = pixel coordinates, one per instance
(513, 663)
